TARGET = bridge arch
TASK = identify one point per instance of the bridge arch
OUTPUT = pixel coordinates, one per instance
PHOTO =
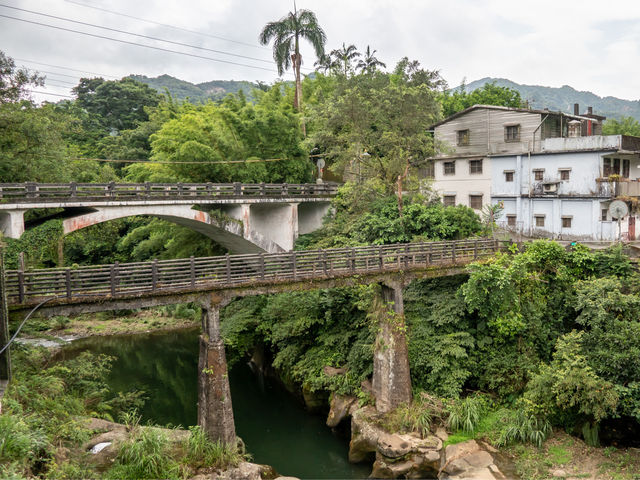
(230, 234)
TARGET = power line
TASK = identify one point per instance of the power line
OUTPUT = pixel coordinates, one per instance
(166, 25)
(135, 44)
(63, 68)
(60, 74)
(136, 34)
(193, 162)
(47, 93)
(68, 86)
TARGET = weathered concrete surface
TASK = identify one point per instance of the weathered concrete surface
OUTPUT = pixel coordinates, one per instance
(391, 378)
(230, 235)
(269, 225)
(215, 411)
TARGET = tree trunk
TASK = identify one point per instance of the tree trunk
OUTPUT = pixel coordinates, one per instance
(400, 181)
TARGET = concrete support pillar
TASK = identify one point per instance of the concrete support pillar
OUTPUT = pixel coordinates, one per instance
(276, 221)
(215, 411)
(12, 223)
(391, 378)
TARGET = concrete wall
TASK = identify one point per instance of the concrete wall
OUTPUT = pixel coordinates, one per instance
(310, 216)
(277, 222)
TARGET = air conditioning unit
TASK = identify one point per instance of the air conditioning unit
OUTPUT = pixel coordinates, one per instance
(550, 187)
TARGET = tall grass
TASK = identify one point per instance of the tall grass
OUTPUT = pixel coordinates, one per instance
(524, 427)
(145, 455)
(465, 414)
(201, 452)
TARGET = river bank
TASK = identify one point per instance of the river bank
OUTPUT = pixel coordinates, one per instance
(561, 456)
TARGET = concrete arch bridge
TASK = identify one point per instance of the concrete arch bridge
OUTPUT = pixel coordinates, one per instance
(244, 218)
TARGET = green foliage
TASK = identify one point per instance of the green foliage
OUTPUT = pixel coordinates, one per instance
(18, 442)
(39, 244)
(569, 387)
(365, 215)
(489, 94)
(624, 126)
(523, 427)
(200, 452)
(15, 82)
(465, 414)
(144, 455)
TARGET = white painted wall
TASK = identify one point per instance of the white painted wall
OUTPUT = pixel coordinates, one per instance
(463, 183)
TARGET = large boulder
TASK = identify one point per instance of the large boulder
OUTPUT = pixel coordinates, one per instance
(341, 407)
(364, 435)
(467, 460)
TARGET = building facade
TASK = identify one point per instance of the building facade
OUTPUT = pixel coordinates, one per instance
(554, 174)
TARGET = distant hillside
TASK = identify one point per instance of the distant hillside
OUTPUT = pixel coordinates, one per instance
(563, 98)
(200, 93)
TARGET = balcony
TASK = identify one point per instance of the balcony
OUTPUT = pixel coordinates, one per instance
(618, 188)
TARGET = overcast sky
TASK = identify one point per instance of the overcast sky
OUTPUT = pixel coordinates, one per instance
(589, 45)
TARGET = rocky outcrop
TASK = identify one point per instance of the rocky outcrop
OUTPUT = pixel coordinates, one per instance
(396, 456)
(467, 460)
(411, 456)
(341, 407)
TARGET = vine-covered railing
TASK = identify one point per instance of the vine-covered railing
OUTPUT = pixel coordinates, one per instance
(166, 276)
(56, 192)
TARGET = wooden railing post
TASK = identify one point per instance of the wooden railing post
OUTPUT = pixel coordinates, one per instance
(380, 257)
(262, 189)
(324, 262)
(294, 266)
(429, 257)
(192, 265)
(237, 188)
(111, 189)
(262, 266)
(31, 189)
(353, 260)
(21, 285)
(285, 189)
(475, 249)
(114, 278)
(154, 274)
(406, 256)
(67, 281)
(147, 189)
(228, 262)
(73, 189)
(453, 251)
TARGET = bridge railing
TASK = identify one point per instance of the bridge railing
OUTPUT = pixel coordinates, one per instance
(52, 192)
(235, 270)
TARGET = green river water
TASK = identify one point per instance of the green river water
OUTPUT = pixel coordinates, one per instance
(274, 425)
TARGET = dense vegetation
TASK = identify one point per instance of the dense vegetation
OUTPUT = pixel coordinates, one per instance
(524, 339)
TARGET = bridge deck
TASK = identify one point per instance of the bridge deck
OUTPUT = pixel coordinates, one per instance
(84, 194)
(109, 282)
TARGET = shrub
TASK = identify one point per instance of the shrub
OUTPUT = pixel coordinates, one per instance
(201, 452)
(465, 414)
(524, 427)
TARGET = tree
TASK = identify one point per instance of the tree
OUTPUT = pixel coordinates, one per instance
(286, 34)
(624, 126)
(325, 63)
(369, 63)
(14, 82)
(344, 57)
(117, 104)
(375, 126)
(489, 94)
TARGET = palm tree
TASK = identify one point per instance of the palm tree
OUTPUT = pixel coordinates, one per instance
(325, 63)
(345, 55)
(370, 63)
(286, 34)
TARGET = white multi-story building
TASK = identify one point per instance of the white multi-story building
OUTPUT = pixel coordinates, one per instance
(554, 173)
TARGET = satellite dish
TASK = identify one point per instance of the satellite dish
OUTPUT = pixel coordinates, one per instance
(618, 209)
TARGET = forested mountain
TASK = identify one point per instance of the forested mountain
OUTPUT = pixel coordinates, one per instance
(563, 98)
(196, 93)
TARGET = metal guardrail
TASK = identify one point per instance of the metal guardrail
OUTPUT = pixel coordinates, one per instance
(166, 276)
(55, 192)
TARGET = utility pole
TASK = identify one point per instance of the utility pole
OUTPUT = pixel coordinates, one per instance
(5, 357)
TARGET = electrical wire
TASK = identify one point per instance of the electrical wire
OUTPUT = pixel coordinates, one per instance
(25, 321)
(188, 162)
(139, 35)
(136, 44)
(64, 68)
(47, 93)
(195, 32)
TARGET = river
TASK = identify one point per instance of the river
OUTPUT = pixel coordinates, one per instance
(275, 427)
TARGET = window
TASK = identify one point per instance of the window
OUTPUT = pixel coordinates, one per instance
(539, 220)
(564, 173)
(475, 166)
(511, 220)
(463, 137)
(508, 175)
(475, 202)
(566, 222)
(427, 170)
(512, 133)
(449, 168)
(449, 200)
(606, 167)
(538, 175)
(625, 168)
(603, 214)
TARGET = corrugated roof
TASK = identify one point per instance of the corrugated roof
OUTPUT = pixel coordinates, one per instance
(509, 109)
